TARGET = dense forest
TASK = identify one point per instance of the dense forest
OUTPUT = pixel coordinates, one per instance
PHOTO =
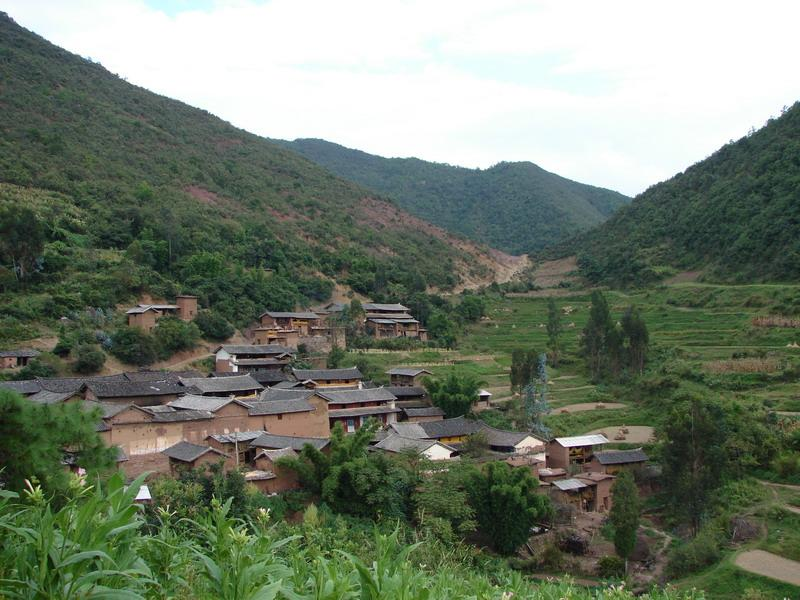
(126, 192)
(516, 207)
(734, 215)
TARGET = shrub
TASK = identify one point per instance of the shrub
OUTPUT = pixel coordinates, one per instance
(41, 366)
(213, 325)
(173, 335)
(88, 359)
(133, 346)
(700, 552)
(611, 567)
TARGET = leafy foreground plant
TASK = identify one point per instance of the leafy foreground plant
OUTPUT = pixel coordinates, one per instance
(95, 547)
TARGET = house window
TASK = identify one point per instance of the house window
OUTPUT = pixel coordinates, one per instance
(351, 425)
(280, 417)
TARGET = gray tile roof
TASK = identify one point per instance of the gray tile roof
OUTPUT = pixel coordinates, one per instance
(452, 427)
(240, 436)
(217, 385)
(24, 386)
(259, 475)
(506, 439)
(362, 412)
(277, 442)
(327, 374)
(406, 391)
(253, 349)
(409, 430)
(621, 457)
(279, 407)
(147, 375)
(286, 385)
(209, 403)
(180, 415)
(290, 315)
(408, 371)
(427, 411)
(275, 393)
(188, 452)
(368, 306)
(355, 396)
(269, 377)
(398, 443)
(276, 454)
(19, 353)
(45, 397)
(123, 389)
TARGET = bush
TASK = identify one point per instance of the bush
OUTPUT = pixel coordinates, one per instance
(611, 567)
(41, 366)
(133, 346)
(88, 359)
(173, 335)
(213, 325)
(694, 555)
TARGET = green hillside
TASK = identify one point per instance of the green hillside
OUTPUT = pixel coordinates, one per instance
(132, 192)
(516, 207)
(734, 215)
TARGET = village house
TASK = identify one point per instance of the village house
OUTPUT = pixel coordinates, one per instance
(236, 444)
(430, 449)
(548, 475)
(142, 393)
(290, 412)
(185, 455)
(241, 386)
(330, 378)
(446, 431)
(302, 322)
(392, 321)
(282, 479)
(526, 461)
(421, 414)
(614, 461)
(407, 376)
(249, 358)
(515, 442)
(145, 316)
(573, 452)
(352, 408)
(13, 359)
(411, 397)
(271, 441)
(590, 492)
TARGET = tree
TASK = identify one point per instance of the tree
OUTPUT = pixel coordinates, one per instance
(213, 325)
(472, 308)
(524, 368)
(34, 438)
(506, 504)
(694, 458)
(595, 333)
(441, 502)
(442, 328)
(336, 357)
(173, 335)
(455, 394)
(22, 239)
(635, 329)
(133, 346)
(624, 515)
(554, 329)
(89, 358)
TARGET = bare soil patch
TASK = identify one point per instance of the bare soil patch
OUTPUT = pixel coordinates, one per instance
(769, 565)
(685, 277)
(636, 434)
(584, 406)
(553, 272)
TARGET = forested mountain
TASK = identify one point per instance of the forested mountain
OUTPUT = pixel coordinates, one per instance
(516, 207)
(734, 215)
(132, 192)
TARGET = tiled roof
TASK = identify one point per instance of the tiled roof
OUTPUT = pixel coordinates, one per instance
(459, 426)
(122, 389)
(591, 439)
(368, 306)
(290, 315)
(328, 374)
(274, 455)
(24, 387)
(180, 415)
(209, 403)
(212, 385)
(507, 439)
(252, 349)
(147, 375)
(355, 396)
(45, 397)
(279, 407)
(259, 475)
(398, 443)
(188, 452)
(408, 371)
(20, 353)
(286, 384)
(276, 442)
(260, 362)
(406, 391)
(621, 457)
(362, 412)
(276, 393)
(236, 436)
(427, 411)
(409, 430)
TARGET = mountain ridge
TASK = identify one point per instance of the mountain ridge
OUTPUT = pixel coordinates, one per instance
(517, 207)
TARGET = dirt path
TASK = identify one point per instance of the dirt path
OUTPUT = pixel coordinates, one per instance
(769, 565)
(584, 406)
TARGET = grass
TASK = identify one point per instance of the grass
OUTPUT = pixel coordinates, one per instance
(726, 581)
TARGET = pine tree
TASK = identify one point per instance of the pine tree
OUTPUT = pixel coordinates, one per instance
(624, 516)
(595, 333)
(554, 329)
(635, 330)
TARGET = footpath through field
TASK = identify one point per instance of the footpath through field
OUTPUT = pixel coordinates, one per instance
(769, 565)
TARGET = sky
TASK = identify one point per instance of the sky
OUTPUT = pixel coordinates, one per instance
(620, 94)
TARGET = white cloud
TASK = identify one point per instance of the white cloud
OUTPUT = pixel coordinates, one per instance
(620, 94)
